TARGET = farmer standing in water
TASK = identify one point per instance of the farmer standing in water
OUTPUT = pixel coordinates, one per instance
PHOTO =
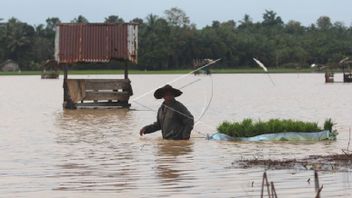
(173, 118)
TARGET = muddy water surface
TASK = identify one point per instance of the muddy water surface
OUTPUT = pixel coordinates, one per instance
(50, 152)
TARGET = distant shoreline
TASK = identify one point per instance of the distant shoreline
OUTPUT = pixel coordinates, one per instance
(181, 71)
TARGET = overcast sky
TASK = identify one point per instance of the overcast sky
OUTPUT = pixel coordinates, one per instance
(201, 12)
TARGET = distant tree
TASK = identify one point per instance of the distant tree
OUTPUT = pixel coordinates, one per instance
(246, 20)
(171, 42)
(339, 25)
(80, 19)
(154, 43)
(19, 40)
(43, 49)
(294, 27)
(2, 42)
(40, 30)
(215, 24)
(177, 17)
(151, 20)
(51, 23)
(113, 19)
(137, 20)
(270, 18)
(246, 23)
(43, 41)
(324, 23)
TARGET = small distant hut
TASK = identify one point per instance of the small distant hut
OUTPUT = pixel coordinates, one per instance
(346, 69)
(10, 66)
(344, 65)
(329, 76)
(50, 70)
(198, 63)
(96, 43)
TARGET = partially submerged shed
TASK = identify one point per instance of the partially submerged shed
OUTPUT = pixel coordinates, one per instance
(96, 43)
(346, 69)
(345, 65)
(9, 66)
(50, 70)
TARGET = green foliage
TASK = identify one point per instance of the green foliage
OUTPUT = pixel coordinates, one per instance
(172, 41)
(113, 19)
(80, 19)
(328, 125)
(249, 128)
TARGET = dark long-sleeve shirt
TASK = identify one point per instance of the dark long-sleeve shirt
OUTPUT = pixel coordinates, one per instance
(174, 120)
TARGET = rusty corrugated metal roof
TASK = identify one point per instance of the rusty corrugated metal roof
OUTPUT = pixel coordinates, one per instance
(96, 42)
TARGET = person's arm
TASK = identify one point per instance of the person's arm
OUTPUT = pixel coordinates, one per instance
(187, 120)
(152, 127)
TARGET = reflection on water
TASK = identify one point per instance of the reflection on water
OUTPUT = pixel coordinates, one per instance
(99, 153)
(170, 154)
(93, 139)
(94, 126)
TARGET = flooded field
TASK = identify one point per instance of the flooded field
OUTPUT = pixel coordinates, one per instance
(50, 152)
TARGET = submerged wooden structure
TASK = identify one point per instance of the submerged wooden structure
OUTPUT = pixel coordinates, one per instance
(344, 66)
(346, 69)
(50, 70)
(96, 43)
(197, 63)
(329, 77)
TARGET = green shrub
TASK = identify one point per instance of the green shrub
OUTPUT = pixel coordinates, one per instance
(249, 128)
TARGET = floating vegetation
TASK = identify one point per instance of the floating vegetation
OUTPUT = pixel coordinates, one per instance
(333, 162)
(250, 128)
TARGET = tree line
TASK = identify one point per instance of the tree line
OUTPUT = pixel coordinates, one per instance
(173, 42)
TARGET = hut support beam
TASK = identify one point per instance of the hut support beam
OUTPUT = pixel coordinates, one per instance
(126, 70)
(68, 104)
(65, 84)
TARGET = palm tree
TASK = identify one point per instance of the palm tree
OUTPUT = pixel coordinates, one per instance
(151, 21)
(18, 37)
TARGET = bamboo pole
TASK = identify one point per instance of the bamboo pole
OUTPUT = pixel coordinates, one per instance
(273, 191)
(265, 183)
(262, 190)
(318, 193)
(316, 181)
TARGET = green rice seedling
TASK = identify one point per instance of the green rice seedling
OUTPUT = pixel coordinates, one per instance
(249, 128)
(328, 125)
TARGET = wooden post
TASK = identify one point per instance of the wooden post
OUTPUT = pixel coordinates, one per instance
(126, 70)
(125, 103)
(65, 84)
(68, 104)
(273, 191)
(265, 182)
(318, 193)
(316, 181)
(262, 190)
(267, 185)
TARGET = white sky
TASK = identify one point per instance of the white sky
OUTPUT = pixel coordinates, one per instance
(201, 12)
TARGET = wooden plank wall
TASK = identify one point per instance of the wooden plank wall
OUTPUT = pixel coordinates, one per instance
(104, 91)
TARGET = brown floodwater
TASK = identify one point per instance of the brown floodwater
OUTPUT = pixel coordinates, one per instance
(47, 151)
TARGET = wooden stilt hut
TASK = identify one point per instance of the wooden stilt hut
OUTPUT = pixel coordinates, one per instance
(199, 63)
(96, 43)
(329, 76)
(346, 69)
(50, 70)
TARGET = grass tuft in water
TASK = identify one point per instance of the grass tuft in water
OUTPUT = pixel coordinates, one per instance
(249, 128)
